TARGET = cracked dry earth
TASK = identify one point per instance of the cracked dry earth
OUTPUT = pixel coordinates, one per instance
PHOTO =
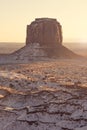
(44, 96)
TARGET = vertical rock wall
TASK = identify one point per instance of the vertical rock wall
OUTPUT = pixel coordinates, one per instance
(45, 31)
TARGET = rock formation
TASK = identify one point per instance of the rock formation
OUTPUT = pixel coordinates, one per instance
(43, 41)
(44, 31)
(45, 35)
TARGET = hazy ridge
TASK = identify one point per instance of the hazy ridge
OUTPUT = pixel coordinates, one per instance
(9, 47)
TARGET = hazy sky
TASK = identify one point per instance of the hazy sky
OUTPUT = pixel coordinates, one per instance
(16, 14)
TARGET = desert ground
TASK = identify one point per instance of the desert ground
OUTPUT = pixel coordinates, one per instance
(45, 95)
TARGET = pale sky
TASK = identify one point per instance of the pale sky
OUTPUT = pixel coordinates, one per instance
(16, 14)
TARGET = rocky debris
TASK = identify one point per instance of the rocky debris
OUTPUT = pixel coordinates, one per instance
(32, 53)
(44, 96)
(82, 128)
(45, 31)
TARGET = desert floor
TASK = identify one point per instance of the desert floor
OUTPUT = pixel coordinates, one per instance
(44, 95)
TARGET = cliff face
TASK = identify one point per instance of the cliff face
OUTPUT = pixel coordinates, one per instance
(45, 31)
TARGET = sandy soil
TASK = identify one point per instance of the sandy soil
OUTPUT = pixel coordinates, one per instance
(44, 96)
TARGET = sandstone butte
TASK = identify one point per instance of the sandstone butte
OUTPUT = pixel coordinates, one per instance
(44, 39)
(47, 33)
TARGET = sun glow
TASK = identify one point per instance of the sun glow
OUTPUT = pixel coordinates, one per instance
(83, 41)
